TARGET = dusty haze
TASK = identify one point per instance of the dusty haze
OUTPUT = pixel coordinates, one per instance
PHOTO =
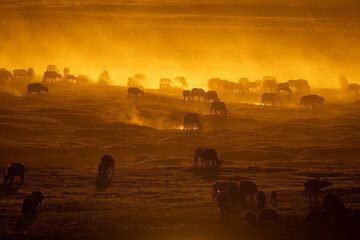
(289, 40)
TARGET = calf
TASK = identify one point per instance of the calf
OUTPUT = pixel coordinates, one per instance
(39, 197)
(107, 162)
(186, 94)
(273, 198)
(261, 199)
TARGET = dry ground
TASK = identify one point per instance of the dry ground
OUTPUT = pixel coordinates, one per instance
(61, 136)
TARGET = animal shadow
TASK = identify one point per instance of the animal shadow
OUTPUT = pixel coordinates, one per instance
(9, 189)
(102, 182)
(22, 225)
(206, 173)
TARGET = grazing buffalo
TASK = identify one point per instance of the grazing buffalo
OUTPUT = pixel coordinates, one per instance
(71, 78)
(313, 187)
(135, 91)
(284, 87)
(211, 95)
(247, 188)
(261, 199)
(39, 197)
(311, 100)
(273, 198)
(51, 75)
(14, 169)
(107, 162)
(270, 97)
(30, 206)
(197, 155)
(37, 88)
(197, 92)
(210, 155)
(186, 94)
(250, 219)
(316, 220)
(223, 203)
(218, 105)
(192, 119)
(269, 85)
(354, 87)
(268, 216)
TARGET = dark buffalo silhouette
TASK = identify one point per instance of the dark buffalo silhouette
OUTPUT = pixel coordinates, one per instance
(220, 187)
(250, 219)
(210, 155)
(283, 87)
(192, 119)
(104, 78)
(311, 100)
(268, 216)
(218, 105)
(270, 97)
(107, 162)
(186, 94)
(165, 83)
(273, 198)
(269, 85)
(316, 221)
(247, 188)
(302, 85)
(261, 199)
(180, 80)
(354, 87)
(29, 206)
(5, 75)
(334, 205)
(223, 203)
(253, 86)
(71, 78)
(37, 88)
(14, 169)
(313, 187)
(83, 79)
(211, 95)
(197, 92)
(197, 155)
(135, 91)
(20, 73)
(51, 75)
(39, 197)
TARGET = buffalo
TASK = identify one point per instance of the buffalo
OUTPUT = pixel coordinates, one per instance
(37, 88)
(192, 119)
